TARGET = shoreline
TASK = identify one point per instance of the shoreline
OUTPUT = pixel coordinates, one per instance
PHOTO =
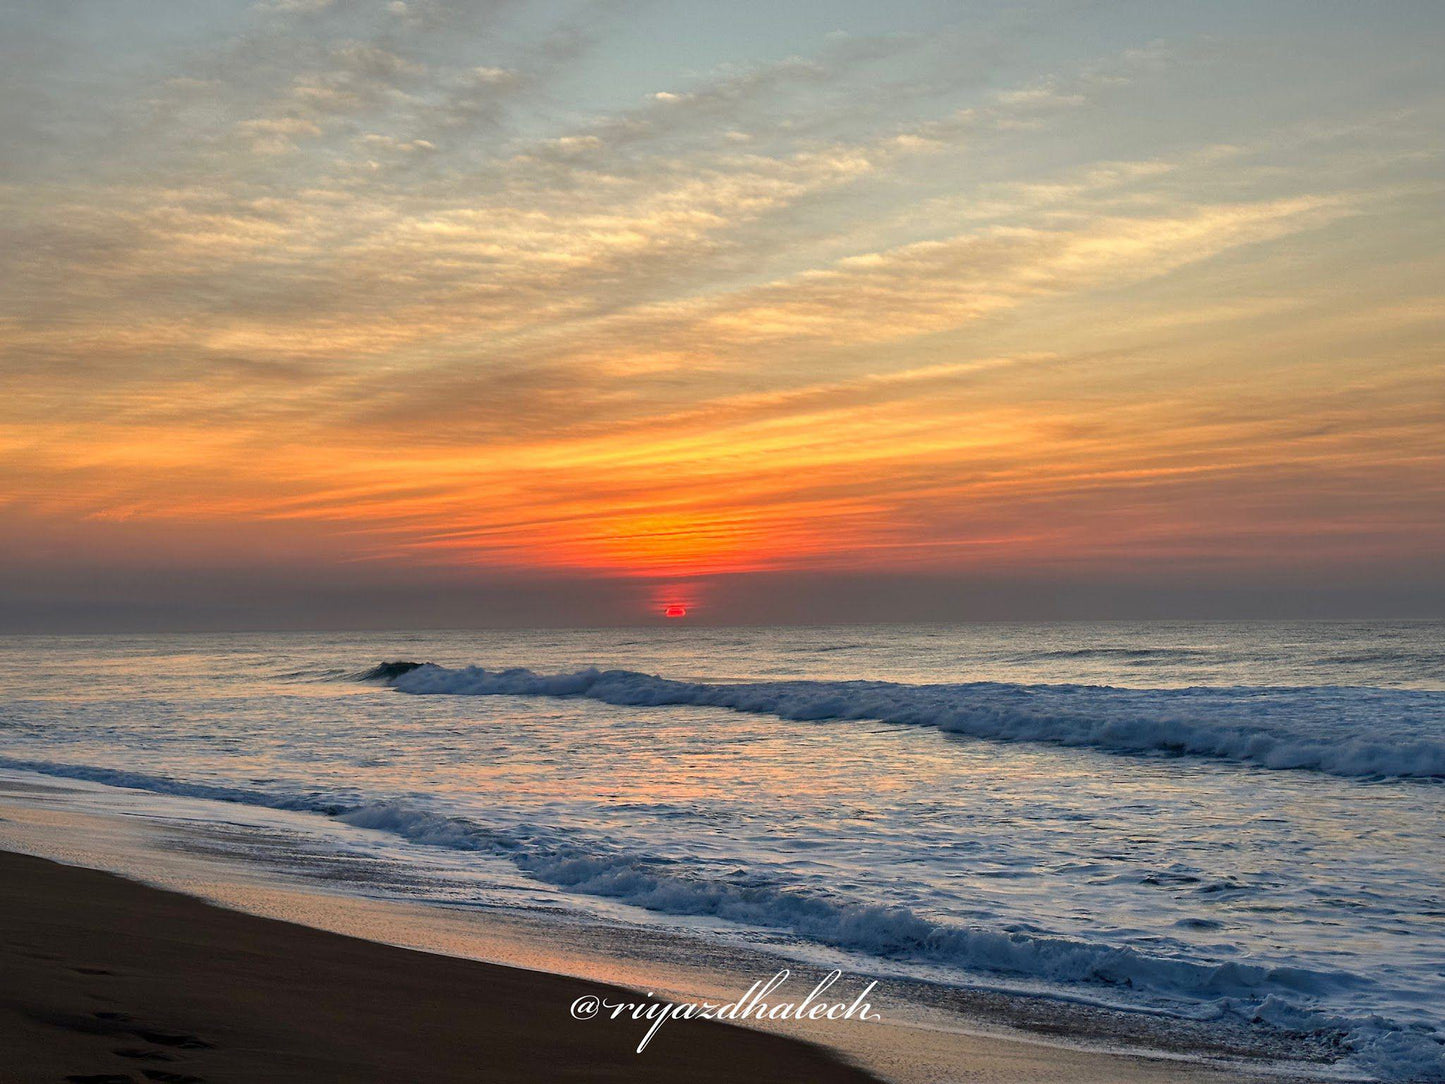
(946, 1043)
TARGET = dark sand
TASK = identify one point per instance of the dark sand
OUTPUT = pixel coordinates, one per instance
(103, 979)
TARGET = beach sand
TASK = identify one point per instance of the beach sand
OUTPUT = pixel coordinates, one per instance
(103, 979)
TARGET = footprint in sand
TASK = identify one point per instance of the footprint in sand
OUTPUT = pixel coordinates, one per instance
(139, 1054)
(183, 1042)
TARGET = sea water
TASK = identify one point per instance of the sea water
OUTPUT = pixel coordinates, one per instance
(1232, 823)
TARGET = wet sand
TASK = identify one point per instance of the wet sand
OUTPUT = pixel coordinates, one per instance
(106, 980)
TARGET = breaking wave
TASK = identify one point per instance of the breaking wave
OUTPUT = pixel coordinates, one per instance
(389, 671)
(1342, 731)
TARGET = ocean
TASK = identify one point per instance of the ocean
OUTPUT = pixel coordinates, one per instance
(1236, 826)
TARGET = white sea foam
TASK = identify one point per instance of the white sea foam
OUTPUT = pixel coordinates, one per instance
(649, 882)
(1353, 732)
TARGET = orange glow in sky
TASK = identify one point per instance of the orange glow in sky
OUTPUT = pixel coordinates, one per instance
(371, 306)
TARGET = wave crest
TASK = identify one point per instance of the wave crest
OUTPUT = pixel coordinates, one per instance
(1351, 732)
(389, 671)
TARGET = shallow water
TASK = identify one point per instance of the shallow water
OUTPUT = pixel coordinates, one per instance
(1265, 847)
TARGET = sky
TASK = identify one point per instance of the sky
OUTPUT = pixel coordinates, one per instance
(374, 313)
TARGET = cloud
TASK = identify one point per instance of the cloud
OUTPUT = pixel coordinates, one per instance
(384, 274)
(288, 6)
